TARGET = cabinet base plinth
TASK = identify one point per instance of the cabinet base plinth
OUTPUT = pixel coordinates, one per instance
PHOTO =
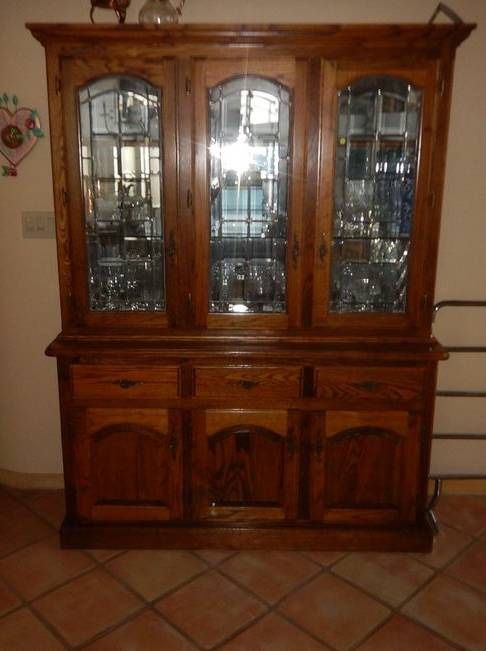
(191, 536)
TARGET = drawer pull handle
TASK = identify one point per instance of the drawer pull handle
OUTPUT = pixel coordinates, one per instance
(247, 384)
(126, 384)
(367, 386)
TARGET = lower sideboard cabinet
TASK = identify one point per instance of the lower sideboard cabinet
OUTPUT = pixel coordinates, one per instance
(333, 461)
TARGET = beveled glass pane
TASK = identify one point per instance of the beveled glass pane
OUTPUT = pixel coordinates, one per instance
(374, 192)
(249, 149)
(121, 175)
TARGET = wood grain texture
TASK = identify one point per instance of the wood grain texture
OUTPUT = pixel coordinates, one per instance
(246, 468)
(364, 467)
(127, 465)
(248, 382)
(107, 382)
(375, 384)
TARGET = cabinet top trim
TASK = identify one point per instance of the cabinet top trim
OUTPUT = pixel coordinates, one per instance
(320, 39)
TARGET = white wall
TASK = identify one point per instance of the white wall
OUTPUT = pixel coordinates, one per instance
(29, 309)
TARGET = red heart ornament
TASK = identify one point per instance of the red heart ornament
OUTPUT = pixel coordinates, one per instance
(16, 137)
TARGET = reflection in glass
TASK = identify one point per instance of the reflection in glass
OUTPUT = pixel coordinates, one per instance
(121, 176)
(374, 190)
(249, 149)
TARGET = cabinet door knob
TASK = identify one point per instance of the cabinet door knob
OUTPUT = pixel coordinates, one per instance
(291, 443)
(171, 249)
(322, 248)
(318, 447)
(126, 384)
(295, 251)
(173, 444)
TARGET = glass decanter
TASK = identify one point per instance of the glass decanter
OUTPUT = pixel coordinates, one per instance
(158, 12)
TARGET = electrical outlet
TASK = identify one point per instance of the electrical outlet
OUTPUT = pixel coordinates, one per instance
(38, 224)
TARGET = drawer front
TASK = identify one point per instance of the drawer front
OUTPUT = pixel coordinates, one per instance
(125, 382)
(244, 382)
(400, 385)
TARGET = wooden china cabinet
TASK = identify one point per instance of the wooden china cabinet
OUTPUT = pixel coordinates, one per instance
(247, 224)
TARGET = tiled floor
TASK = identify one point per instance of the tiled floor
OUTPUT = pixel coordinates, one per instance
(52, 599)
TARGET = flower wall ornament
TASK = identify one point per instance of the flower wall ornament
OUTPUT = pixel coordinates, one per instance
(19, 130)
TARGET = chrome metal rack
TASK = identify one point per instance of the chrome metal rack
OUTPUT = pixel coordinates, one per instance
(436, 478)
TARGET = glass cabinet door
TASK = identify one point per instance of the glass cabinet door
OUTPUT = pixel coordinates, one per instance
(378, 128)
(249, 134)
(121, 176)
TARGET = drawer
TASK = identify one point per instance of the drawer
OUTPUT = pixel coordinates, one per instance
(348, 383)
(247, 381)
(125, 382)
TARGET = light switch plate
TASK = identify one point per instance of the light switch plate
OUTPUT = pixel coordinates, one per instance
(38, 224)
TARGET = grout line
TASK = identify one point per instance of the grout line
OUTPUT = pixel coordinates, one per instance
(109, 629)
(50, 627)
(273, 608)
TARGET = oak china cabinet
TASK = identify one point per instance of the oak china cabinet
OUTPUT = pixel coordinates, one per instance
(247, 225)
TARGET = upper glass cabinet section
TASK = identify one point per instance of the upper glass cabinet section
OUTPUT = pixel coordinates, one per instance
(375, 175)
(121, 177)
(249, 158)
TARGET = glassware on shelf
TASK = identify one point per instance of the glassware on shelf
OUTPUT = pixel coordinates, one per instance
(249, 146)
(375, 171)
(121, 163)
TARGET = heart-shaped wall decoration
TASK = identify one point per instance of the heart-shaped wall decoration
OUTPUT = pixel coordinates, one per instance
(19, 131)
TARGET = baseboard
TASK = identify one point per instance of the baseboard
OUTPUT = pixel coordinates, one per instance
(461, 487)
(31, 480)
(51, 481)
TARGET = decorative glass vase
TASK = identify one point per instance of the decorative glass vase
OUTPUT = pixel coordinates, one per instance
(158, 12)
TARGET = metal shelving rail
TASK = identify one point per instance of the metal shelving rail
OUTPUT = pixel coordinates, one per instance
(438, 479)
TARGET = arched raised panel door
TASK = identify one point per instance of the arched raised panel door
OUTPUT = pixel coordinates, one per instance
(364, 467)
(380, 123)
(128, 465)
(246, 465)
(121, 197)
(249, 192)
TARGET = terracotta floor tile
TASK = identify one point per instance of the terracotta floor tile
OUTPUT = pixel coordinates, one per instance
(471, 566)
(8, 600)
(48, 504)
(20, 527)
(42, 566)
(452, 609)
(146, 632)
(464, 512)
(86, 606)
(447, 544)
(273, 633)
(22, 631)
(152, 573)
(210, 609)
(271, 575)
(333, 611)
(214, 556)
(103, 555)
(401, 634)
(325, 558)
(391, 577)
